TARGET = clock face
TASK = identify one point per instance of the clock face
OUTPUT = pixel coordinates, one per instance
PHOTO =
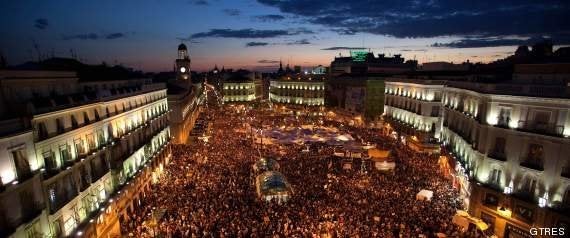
(183, 69)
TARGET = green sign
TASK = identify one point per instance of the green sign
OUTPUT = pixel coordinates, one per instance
(358, 55)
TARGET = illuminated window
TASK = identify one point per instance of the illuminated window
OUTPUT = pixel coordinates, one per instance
(566, 199)
(529, 185)
(21, 164)
(496, 176)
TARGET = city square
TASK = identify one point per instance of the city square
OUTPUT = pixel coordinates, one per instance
(284, 118)
(217, 196)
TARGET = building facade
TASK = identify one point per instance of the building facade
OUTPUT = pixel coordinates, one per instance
(413, 108)
(87, 142)
(185, 95)
(365, 62)
(357, 98)
(302, 92)
(506, 143)
(241, 86)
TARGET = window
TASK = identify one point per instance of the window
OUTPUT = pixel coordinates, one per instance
(96, 114)
(42, 131)
(74, 122)
(49, 160)
(529, 185)
(65, 152)
(21, 163)
(566, 199)
(79, 147)
(500, 143)
(534, 156)
(86, 119)
(496, 176)
(435, 111)
(51, 193)
(566, 170)
(110, 131)
(91, 142)
(504, 117)
(541, 117)
(100, 137)
(59, 124)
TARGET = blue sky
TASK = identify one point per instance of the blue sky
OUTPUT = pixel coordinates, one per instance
(144, 34)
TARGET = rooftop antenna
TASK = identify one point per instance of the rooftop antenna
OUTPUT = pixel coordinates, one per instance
(37, 48)
(31, 54)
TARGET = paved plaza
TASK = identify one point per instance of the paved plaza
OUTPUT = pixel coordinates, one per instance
(208, 189)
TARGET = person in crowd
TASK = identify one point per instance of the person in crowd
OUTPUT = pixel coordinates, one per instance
(207, 189)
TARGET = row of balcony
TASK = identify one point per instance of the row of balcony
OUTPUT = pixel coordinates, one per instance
(100, 165)
(459, 109)
(51, 166)
(125, 185)
(403, 127)
(124, 149)
(436, 98)
(42, 133)
(549, 129)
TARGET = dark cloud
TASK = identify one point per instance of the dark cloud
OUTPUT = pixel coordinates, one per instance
(254, 44)
(86, 36)
(343, 31)
(269, 18)
(413, 18)
(115, 36)
(299, 42)
(199, 2)
(344, 48)
(494, 42)
(41, 23)
(232, 12)
(188, 39)
(296, 42)
(250, 33)
(95, 36)
(300, 30)
(265, 61)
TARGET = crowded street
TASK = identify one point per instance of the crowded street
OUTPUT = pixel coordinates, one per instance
(208, 188)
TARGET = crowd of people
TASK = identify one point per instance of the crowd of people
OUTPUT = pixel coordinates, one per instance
(208, 190)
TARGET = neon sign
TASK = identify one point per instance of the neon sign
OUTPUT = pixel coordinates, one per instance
(358, 55)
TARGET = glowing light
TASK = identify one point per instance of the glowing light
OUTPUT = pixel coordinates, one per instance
(504, 212)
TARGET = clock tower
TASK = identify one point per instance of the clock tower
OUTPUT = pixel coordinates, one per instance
(183, 63)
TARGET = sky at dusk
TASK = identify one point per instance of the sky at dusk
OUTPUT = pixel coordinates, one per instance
(144, 34)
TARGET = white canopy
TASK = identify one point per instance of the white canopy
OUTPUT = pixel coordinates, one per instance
(424, 195)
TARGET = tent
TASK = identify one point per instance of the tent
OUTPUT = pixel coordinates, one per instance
(424, 195)
(273, 185)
